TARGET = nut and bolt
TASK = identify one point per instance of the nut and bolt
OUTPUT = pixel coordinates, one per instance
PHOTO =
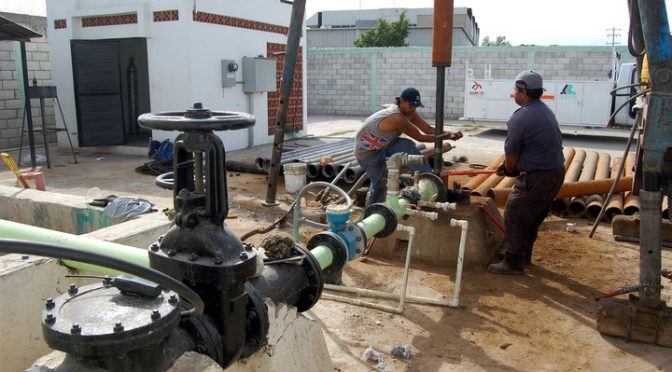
(72, 289)
(172, 252)
(248, 246)
(50, 303)
(243, 256)
(156, 315)
(154, 247)
(76, 329)
(193, 257)
(50, 319)
(118, 327)
(218, 260)
(172, 300)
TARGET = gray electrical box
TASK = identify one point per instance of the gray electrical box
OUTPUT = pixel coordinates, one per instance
(259, 75)
(229, 68)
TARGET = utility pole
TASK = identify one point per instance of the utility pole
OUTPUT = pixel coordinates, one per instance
(614, 57)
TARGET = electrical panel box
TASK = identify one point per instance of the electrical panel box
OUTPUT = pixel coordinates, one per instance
(229, 68)
(259, 75)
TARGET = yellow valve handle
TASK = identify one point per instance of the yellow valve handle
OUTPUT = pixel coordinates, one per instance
(12, 165)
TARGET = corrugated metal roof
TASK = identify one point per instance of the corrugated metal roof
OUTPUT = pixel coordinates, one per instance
(10, 30)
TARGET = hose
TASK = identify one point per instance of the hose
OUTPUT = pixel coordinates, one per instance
(63, 252)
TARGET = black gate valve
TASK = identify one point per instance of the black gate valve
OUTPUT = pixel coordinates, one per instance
(199, 157)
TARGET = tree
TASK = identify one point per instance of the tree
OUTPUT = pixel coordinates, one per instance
(385, 34)
(500, 41)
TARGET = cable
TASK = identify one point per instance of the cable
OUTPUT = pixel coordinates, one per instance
(63, 252)
(603, 210)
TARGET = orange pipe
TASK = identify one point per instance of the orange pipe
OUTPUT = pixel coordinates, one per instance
(486, 185)
(594, 202)
(577, 204)
(559, 206)
(474, 182)
(615, 206)
(569, 189)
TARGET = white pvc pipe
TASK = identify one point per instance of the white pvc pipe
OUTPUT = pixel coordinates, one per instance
(454, 302)
(460, 259)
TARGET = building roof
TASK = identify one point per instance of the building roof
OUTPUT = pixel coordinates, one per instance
(369, 17)
(10, 30)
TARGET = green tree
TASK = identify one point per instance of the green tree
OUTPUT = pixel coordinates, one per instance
(385, 34)
(499, 41)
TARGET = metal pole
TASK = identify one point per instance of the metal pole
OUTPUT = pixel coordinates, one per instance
(291, 53)
(438, 126)
(29, 113)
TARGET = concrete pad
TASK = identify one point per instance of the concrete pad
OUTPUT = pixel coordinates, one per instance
(437, 243)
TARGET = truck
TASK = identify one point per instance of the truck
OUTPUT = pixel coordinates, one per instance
(575, 103)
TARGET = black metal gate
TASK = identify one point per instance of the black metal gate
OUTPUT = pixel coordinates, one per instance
(98, 95)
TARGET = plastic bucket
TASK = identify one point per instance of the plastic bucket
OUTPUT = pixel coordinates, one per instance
(295, 176)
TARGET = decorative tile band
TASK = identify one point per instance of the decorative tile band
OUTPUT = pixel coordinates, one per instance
(112, 20)
(239, 22)
(60, 23)
(166, 15)
(295, 109)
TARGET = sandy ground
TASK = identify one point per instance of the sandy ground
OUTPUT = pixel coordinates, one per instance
(541, 321)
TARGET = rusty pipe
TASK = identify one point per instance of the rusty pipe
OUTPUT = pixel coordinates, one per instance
(615, 205)
(595, 202)
(559, 206)
(577, 204)
(630, 201)
(486, 185)
(569, 189)
(474, 182)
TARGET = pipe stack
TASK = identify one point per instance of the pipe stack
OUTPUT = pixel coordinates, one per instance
(587, 180)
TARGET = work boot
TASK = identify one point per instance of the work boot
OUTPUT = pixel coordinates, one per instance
(503, 268)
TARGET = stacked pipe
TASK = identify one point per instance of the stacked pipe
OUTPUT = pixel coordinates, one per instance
(588, 179)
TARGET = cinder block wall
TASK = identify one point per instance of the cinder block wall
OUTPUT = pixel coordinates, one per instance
(11, 84)
(356, 81)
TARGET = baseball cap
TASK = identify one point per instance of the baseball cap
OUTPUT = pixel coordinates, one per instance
(531, 79)
(413, 96)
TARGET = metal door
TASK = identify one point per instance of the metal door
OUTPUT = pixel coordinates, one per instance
(98, 97)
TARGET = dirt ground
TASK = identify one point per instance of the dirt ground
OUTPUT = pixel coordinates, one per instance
(541, 321)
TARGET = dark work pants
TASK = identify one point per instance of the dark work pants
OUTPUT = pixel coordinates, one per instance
(526, 208)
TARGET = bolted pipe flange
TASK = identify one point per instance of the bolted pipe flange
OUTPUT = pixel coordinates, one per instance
(387, 213)
(442, 194)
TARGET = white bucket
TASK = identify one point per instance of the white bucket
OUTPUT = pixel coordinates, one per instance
(295, 176)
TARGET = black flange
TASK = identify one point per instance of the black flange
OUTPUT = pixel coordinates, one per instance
(442, 194)
(387, 213)
(339, 249)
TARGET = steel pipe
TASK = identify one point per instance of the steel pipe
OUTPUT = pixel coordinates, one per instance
(569, 189)
(594, 202)
(577, 204)
(559, 206)
(474, 182)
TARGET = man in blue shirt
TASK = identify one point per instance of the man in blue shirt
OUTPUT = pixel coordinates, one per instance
(533, 150)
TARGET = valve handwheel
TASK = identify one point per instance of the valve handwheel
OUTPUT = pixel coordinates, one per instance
(196, 119)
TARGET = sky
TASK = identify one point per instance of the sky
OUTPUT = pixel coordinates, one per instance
(538, 22)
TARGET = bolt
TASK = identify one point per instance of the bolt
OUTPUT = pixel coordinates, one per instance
(50, 303)
(663, 76)
(218, 260)
(243, 256)
(172, 252)
(118, 327)
(198, 105)
(72, 290)
(172, 300)
(50, 319)
(160, 238)
(350, 228)
(193, 257)
(248, 246)
(76, 329)
(156, 315)
(154, 247)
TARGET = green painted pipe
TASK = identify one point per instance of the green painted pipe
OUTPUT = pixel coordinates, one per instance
(13, 230)
(324, 256)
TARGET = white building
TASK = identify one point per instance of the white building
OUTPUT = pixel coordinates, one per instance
(182, 51)
(340, 28)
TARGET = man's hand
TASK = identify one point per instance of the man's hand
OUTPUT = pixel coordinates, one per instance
(501, 171)
(451, 136)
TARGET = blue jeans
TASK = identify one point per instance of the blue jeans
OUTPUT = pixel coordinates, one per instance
(376, 168)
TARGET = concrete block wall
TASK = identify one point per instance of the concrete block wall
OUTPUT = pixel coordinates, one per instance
(11, 84)
(355, 81)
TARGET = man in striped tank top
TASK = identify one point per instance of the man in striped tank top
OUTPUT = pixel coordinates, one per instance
(379, 138)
